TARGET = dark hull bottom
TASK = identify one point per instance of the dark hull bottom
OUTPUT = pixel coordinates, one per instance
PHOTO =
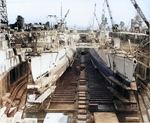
(100, 64)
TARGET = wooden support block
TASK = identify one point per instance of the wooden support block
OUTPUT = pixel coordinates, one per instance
(82, 95)
(82, 98)
(82, 102)
(82, 106)
(79, 121)
(131, 119)
(82, 111)
(81, 117)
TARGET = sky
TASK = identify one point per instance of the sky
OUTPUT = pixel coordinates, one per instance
(80, 14)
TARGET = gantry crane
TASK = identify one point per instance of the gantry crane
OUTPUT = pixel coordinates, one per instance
(114, 26)
(54, 17)
(140, 12)
(62, 21)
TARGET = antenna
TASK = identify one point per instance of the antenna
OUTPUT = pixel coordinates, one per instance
(61, 13)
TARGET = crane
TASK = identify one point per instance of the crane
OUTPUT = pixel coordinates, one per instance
(94, 16)
(97, 20)
(62, 21)
(114, 26)
(54, 17)
(140, 12)
(65, 16)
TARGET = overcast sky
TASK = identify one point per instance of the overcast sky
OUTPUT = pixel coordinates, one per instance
(80, 14)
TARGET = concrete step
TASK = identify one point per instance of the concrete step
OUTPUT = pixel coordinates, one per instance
(102, 102)
(63, 96)
(62, 101)
(106, 99)
(100, 97)
(64, 92)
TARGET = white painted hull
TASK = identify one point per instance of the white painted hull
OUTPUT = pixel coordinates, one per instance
(121, 64)
(54, 64)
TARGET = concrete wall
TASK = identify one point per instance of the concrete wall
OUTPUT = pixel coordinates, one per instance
(12, 76)
(3, 42)
(8, 60)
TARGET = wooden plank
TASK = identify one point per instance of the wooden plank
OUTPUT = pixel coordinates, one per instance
(43, 96)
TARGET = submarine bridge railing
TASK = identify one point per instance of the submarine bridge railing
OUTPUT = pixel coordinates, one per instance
(87, 45)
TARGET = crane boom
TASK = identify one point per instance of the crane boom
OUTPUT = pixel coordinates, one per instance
(140, 12)
(65, 16)
(97, 20)
(62, 21)
(94, 16)
(111, 18)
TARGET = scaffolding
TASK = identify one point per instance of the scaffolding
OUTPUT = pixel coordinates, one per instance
(3, 13)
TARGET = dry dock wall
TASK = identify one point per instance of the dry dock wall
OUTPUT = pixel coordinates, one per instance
(11, 78)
